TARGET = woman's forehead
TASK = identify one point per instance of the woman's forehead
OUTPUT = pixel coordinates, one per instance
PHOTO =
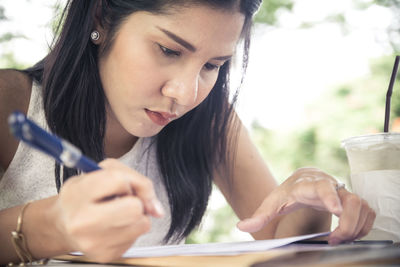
(197, 24)
(222, 5)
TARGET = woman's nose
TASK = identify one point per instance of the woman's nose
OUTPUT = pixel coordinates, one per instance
(183, 89)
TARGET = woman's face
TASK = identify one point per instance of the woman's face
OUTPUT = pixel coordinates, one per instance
(162, 66)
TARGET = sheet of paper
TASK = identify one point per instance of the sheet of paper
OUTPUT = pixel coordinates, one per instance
(212, 249)
(229, 248)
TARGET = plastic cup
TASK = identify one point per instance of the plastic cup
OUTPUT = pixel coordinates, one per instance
(375, 176)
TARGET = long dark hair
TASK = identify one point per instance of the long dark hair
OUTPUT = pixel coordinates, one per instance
(74, 105)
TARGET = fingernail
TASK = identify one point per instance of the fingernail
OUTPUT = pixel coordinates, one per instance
(249, 225)
(246, 220)
(240, 223)
(158, 207)
(241, 227)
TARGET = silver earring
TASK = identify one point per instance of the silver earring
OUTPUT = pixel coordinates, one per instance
(95, 35)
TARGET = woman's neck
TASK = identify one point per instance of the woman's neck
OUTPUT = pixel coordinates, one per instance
(117, 140)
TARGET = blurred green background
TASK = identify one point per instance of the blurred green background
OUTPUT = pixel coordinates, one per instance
(350, 108)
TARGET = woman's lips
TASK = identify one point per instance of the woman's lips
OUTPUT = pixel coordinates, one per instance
(160, 118)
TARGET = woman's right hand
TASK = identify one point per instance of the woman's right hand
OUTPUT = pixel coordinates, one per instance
(102, 213)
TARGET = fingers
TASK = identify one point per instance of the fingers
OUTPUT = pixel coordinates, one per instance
(362, 218)
(105, 184)
(306, 187)
(116, 179)
(318, 192)
(105, 230)
(113, 242)
(355, 221)
(315, 188)
(102, 213)
(271, 207)
(328, 194)
(368, 223)
(253, 224)
(124, 211)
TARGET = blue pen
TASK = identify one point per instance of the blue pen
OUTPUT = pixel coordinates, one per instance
(62, 151)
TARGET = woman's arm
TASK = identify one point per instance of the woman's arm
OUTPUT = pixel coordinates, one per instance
(15, 91)
(38, 227)
(86, 216)
(302, 204)
(252, 182)
(79, 218)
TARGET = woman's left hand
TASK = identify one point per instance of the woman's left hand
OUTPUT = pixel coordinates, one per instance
(314, 188)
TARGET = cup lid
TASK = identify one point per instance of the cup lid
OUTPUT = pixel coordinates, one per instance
(370, 139)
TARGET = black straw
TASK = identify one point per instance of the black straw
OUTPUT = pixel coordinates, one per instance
(389, 94)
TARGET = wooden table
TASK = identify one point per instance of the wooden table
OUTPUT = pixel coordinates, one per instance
(318, 255)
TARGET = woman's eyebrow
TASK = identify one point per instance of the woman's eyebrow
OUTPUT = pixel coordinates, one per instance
(188, 45)
(179, 40)
(222, 58)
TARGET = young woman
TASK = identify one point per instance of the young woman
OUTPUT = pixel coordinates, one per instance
(146, 82)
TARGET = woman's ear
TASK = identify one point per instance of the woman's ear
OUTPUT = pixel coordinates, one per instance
(97, 35)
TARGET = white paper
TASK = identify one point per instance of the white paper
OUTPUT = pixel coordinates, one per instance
(212, 249)
(229, 248)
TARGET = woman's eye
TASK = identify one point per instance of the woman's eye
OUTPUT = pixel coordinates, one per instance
(168, 52)
(210, 66)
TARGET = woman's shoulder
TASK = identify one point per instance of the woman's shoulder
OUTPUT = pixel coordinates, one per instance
(15, 91)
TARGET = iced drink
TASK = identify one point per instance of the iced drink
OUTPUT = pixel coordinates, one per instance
(375, 176)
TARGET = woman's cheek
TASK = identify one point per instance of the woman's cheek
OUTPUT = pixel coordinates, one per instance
(206, 85)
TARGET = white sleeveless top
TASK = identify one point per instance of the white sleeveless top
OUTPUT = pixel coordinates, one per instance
(30, 175)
